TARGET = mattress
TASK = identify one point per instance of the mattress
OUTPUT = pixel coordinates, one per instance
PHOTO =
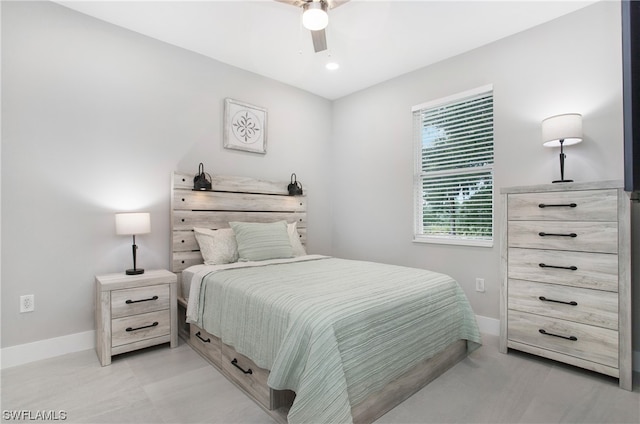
(187, 276)
(332, 330)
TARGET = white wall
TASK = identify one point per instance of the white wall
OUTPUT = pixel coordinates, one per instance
(95, 119)
(572, 64)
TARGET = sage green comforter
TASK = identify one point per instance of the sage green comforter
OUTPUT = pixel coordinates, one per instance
(334, 330)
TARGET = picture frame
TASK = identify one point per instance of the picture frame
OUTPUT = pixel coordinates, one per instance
(245, 127)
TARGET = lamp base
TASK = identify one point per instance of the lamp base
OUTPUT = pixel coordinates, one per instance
(563, 181)
(136, 271)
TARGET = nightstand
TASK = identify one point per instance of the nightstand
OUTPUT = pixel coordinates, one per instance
(134, 312)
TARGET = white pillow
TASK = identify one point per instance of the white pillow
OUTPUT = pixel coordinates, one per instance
(294, 238)
(217, 246)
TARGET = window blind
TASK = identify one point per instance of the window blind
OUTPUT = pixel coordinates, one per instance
(454, 179)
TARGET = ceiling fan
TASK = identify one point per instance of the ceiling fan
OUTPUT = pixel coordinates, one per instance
(315, 18)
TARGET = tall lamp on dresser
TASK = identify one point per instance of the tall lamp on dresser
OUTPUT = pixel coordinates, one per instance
(566, 275)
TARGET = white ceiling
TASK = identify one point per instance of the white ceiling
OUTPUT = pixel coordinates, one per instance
(372, 40)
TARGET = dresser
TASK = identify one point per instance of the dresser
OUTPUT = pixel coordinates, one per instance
(566, 268)
(134, 312)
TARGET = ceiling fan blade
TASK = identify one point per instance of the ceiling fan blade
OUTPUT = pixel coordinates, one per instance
(319, 39)
(331, 4)
(296, 3)
(335, 3)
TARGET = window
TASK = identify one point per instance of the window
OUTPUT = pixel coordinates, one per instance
(454, 169)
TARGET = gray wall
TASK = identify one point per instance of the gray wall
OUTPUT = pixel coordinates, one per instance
(572, 64)
(95, 119)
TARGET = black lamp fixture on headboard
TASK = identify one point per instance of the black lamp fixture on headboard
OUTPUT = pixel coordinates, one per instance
(294, 188)
(200, 181)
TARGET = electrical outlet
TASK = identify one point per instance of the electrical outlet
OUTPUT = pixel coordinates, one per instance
(480, 284)
(27, 303)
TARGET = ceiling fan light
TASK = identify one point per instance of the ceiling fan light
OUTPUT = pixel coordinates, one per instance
(315, 16)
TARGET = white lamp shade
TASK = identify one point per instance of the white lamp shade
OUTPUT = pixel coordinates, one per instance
(133, 223)
(567, 127)
(315, 16)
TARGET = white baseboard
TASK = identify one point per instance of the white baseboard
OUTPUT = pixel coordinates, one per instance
(44, 349)
(30, 352)
(487, 325)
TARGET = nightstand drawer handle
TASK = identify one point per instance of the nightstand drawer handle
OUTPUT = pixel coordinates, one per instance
(543, 234)
(572, 338)
(572, 303)
(568, 205)
(572, 268)
(140, 328)
(129, 301)
(235, 364)
(200, 337)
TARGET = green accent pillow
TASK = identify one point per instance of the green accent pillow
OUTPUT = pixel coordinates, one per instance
(258, 242)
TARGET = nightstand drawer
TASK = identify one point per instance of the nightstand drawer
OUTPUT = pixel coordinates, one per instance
(139, 300)
(580, 236)
(586, 342)
(588, 205)
(578, 269)
(140, 327)
(592, 307)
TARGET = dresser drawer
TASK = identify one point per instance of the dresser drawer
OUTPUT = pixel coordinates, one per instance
(556, 235)
(139, 300)
(592, 270)
(140, 327)
(206, 343)
(593, 344)
(588, 205)
(592, 307)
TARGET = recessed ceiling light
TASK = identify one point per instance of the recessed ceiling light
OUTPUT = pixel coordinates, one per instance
(332, 66)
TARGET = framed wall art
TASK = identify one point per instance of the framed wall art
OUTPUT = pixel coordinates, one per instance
(245, 127)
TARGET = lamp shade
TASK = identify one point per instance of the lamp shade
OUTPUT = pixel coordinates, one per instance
(567, 127)
(133, 223)
(315, 15)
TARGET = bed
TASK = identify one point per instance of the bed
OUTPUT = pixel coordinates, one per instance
(310, 338)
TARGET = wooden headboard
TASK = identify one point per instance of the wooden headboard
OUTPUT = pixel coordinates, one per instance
(231, 199)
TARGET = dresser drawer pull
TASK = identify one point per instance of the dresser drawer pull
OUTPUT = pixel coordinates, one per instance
(200, 337)
(572, 268)
(572, 303)
(129, 301)
(543, 234)
(140, 328)
(572, 338)
(235, 364)
(567, 205)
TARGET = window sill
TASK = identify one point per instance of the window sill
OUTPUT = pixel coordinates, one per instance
(455, 242)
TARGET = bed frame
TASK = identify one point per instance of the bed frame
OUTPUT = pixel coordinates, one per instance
(247, 199)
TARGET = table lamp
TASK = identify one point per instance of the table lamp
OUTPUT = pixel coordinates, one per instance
(133, 224)
(562, 130)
